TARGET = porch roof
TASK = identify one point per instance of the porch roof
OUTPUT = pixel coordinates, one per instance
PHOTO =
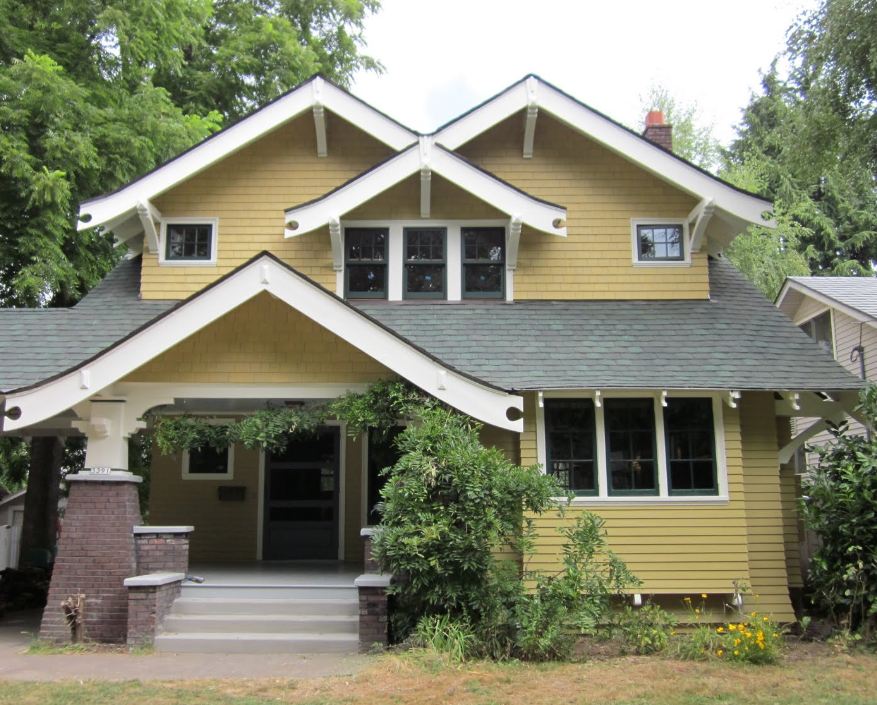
(735, 340)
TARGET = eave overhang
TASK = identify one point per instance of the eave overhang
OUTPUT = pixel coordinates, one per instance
(426, 157)
(264, 273)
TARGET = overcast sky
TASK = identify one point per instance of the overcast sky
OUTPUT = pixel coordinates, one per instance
(444, 56)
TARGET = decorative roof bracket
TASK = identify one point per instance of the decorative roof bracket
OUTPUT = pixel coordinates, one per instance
(425, 176)
(149, 215)
(337, 245)
(319, 117)
(530, 117)
(700, 215)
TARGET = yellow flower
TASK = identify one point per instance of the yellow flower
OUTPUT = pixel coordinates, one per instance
(736, 642)
(696, 611)
(761, 646)
(753, 614)
(703, 595)
(736, 653)
(765, 619)
(686, 599)
(719, 652)
(719, 630)
(732, 627)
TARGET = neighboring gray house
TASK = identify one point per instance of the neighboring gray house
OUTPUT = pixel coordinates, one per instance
(11, 519)
(840, 313)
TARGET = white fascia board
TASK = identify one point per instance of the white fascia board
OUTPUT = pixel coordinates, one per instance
(478, 400)
(239, 135)
(807, 292)
(535, 213)
(614, 137)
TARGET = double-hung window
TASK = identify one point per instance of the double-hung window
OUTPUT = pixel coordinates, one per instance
(691, 454)
(571, 436)
(425, 252)
(365, 262)
(483, 263)
(630, 446)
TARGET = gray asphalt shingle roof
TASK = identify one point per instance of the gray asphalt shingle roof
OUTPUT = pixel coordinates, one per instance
(39, 343)
(736, 340)
(859, 293)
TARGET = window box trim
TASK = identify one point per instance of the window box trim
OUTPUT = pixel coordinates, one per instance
(634, 243)
(188, 220)
(662, 496)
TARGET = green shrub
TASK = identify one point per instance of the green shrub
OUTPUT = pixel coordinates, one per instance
(754, 638)
(643, 630)
(840, 505)
(445, 635)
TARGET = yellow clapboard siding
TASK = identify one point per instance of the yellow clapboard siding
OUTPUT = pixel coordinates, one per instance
(262, 341)
(601, 192)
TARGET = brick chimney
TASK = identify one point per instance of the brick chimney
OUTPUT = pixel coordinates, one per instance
(658, 131)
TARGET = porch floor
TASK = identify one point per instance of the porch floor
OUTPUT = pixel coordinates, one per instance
(277, 574)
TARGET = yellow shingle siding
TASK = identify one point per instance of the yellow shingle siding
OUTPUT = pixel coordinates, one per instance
(602, 192)
(249, 192)
(263, 341)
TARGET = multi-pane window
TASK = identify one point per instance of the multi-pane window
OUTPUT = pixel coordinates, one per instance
(483, 262)
(571, 435)
(189, 241)
(630, 446)
(425, 262)
(690, 434)
(660, 242)
(365, 262)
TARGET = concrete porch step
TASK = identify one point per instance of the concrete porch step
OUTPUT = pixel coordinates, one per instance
(260, 606)
(254, 643)
(262, 624)
(294, 592)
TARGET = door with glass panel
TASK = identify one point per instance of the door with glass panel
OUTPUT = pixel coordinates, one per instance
(301, 499)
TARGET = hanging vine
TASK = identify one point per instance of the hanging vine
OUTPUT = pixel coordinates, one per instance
(380, 407)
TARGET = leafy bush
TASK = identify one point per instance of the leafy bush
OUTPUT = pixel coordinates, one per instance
(840, 505)
(451, 506)
(644, 630)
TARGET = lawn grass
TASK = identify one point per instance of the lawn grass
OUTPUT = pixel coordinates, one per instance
(811, 677)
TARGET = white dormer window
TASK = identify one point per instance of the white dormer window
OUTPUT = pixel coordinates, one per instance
(660, 242)
(188, 241)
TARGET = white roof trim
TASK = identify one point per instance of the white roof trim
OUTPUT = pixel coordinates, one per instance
(825, 299)
(652, 158)
(316, 93)
(537, 214)
(265, 273)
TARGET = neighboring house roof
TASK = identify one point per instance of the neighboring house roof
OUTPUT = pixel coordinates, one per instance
(9, 499)
(38, 343)
(735, 340)
(856, 296)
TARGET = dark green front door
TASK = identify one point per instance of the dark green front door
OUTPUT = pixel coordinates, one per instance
(301, 499)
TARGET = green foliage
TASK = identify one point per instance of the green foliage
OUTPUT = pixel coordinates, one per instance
(692, 140)
(577, 599)
(14, 463)
(767, 256)
(380, 407)
(643, 630)
(444, 635)
(840, 505)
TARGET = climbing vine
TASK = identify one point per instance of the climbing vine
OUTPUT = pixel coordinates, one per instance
(379, 407)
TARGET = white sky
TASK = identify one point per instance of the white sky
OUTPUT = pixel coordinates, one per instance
(444, 56)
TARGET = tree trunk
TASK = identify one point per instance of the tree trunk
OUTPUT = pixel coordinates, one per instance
(40, 526)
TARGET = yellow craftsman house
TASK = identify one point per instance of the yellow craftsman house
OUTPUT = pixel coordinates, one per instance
(533, 264)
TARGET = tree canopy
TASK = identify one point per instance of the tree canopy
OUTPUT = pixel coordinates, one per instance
(95, 92)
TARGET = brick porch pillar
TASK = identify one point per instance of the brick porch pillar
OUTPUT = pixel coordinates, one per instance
(374, 618)
(96, 553)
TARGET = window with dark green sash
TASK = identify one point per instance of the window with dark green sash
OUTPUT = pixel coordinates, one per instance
(630, 446)
(483, 263)
(571, 437)
(425, 273)
(189, 241)
(691, 452)
(365, 263)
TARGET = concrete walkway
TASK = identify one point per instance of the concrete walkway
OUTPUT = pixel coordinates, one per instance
(17, 630)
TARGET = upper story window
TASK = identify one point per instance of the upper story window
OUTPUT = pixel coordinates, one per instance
(658, 242)
(819, 328)
(365, 262)
(189, 241)
(425, 255)
(483, 262)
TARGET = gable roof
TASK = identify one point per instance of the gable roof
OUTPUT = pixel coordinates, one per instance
(534, 92)
(317, 92)
(735, 340)
(856, 296)
(262, 273)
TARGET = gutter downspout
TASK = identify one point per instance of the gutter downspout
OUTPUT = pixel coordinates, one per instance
(858, 354)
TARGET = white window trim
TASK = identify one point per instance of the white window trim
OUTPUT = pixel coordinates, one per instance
(188, 220)
(686, 244)
(663, 496)
(453, 262)
(209, 475)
